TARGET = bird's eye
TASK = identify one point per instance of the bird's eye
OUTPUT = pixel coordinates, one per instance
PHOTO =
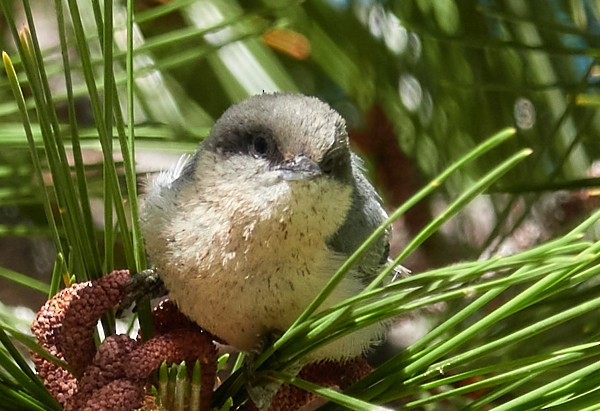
(260, 146)
(328, 164)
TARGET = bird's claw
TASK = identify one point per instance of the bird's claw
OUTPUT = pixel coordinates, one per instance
(144, 285)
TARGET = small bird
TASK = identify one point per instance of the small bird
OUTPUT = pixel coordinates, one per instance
(248, 231)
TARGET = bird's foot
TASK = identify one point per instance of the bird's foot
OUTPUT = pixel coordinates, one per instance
(143, 286)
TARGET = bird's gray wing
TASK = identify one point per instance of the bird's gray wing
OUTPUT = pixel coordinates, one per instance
(364, 216)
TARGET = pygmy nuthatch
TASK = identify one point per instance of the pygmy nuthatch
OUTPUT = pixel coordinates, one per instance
(246, 233)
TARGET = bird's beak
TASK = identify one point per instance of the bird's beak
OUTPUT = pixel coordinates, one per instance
(300, 168)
